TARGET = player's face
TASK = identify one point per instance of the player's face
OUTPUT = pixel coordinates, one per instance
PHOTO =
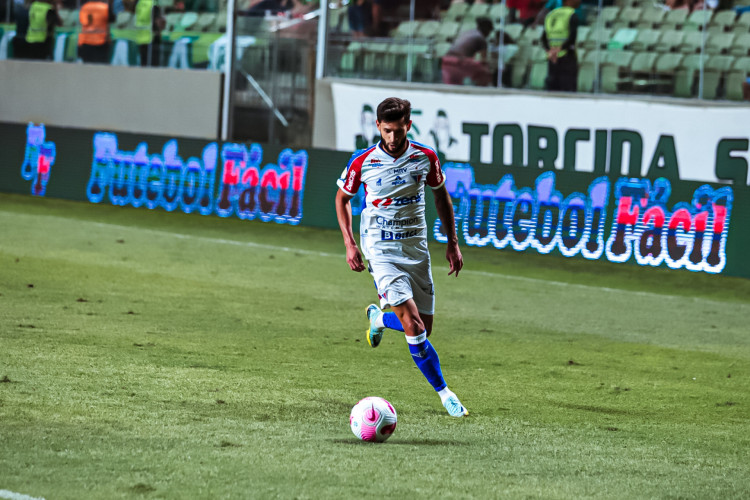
(393, 135)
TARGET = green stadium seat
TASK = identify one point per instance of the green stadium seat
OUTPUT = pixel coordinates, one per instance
(669, 41)
(716, 67)
(187, 21)
(691, 42)
(651, 18)
(622, 39)
(628, 18)
(122, 20)
(698, 19)
(172, 20)
(455, 12)
(477, 10)
(205, 21)
(538, 69)
(586, 77)
(497, 12)
(514, 31)
(664, 73)
(614, 70)
(531, 36)
(351, 60)
(686, 73)
(406, 29)
(608, 15)
(448, 31)
(719, 43)
(742, 24)
(598, 39)
(735, 77)
(722, 21)
(674, 19)
(519, 65)
(641, 70)
(428, 29)
(646, 40)
(221, 22)
(741, 45)
(581, 36)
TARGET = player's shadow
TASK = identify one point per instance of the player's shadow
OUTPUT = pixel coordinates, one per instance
(403, 442)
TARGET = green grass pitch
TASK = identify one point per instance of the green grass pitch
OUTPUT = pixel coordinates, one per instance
(154, 355)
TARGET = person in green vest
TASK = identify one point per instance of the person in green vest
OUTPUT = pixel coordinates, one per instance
(559, 40)
(149, 23)
(40, 35)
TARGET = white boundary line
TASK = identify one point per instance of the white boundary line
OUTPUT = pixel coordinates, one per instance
(10, 495)
(250, 244)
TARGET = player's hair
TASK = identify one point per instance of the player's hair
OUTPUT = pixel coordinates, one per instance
(394, 109)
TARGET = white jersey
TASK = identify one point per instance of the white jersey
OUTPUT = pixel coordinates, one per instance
(393, 221)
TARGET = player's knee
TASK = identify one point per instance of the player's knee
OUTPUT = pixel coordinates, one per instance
(414, 325)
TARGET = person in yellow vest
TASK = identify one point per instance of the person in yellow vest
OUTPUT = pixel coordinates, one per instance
(149, 23)
(559, 40)
(40, 35)
(94, 42)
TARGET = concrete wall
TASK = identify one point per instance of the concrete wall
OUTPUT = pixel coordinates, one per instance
(114, 98)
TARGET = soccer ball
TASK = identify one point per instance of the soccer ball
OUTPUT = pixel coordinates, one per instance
(373, 419)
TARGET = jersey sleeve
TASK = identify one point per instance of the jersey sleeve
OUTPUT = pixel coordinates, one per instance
(351, 177)
(435, 177)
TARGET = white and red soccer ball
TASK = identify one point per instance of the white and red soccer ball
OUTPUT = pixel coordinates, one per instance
(373, 419)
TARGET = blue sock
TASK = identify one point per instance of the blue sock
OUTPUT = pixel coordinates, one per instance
(426, 358)
(390, 320)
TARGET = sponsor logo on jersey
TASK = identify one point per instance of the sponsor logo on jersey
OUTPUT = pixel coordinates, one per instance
(396, 223)
(350, 180)
(375, 162)
(398, 181)
(396, 202)
(413, 158)
(391, 236)
(400, 170)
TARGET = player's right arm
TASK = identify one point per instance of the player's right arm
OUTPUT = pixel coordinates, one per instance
(344, 216)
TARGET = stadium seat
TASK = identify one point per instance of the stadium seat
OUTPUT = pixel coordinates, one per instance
(351, 60)
(497, 12)
(581, 36)
(651, 18)
(685, 75)
(722, 21)
(741, 45)
(598, 39)
(641, 70)
(586, 77)
(692, 42)
(646, 40)
(628, 18)
(406, 29)
(455, 12)
(664, 72)
(716, 67)
(614, 70)
(669, 41)
(221, 22)
(172, 20)
(531, 36)
(735, 77)
(719, 43)
(519, 65)
(428, 29)
(477, 10)
(742, 24)
(697, 20)
(608, 15)
(514, 31)
(205, 21)
(674, 19)
(187, 21)
(448, 31)
(622, 39)
(538, 69)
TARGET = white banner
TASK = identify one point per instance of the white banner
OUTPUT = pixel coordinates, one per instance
(585, 134)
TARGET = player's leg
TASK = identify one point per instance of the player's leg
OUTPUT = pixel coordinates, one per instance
(425, 356)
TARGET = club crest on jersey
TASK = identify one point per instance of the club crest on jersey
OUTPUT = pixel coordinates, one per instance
(417, 176)
(398, 181)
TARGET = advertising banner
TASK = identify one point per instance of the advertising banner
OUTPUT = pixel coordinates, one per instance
(601, 136)
(653, 222)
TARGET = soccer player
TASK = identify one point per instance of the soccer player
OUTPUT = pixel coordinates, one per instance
(393, 235)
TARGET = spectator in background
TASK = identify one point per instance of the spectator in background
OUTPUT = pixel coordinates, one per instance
(381, 23)
(460, 61)
(559, 40)
(40, 35)
(526, 11)
(20, 47)
(149, 23)
(359, 15)
(552, 5)
(94, 41)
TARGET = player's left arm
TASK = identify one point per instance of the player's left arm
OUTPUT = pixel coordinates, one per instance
(444, 207)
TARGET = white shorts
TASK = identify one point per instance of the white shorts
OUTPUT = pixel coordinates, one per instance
(400, 279)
